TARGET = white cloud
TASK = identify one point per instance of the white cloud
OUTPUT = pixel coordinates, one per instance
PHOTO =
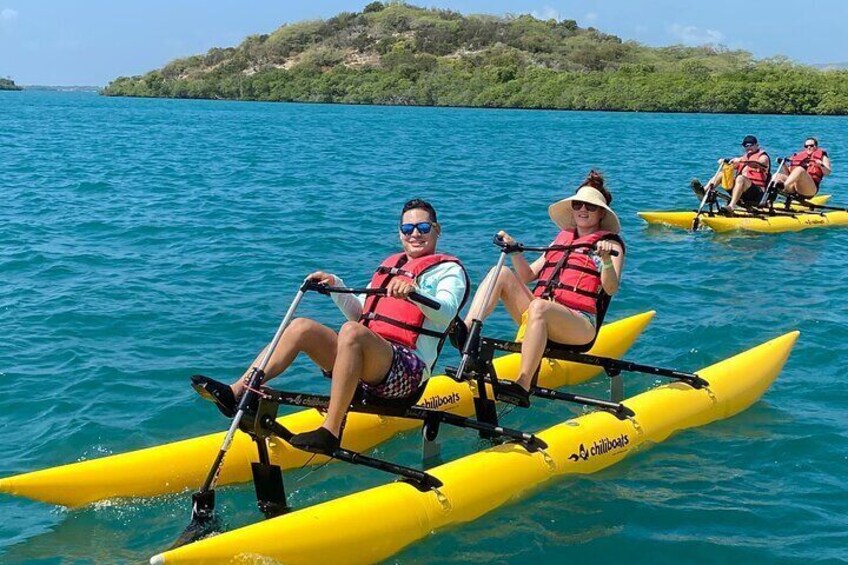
(8, 14)
(693, 35)
(546, 13)
(591, 17)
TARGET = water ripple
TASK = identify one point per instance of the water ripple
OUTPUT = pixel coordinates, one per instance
(144, 240)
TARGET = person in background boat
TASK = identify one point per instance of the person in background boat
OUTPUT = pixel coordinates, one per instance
(388, 345)
(805, 170)
(753, 171)
(564, 303)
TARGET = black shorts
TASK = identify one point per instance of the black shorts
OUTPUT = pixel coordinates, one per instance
(753, 195)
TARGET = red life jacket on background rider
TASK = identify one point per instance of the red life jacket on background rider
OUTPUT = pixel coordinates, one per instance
(757, 173)
(571, 277)
(399, 320)
(807, 161)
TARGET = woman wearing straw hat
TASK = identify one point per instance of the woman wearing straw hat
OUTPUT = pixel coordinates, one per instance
(570, 283)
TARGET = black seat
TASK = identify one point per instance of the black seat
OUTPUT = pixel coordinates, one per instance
(361, 396)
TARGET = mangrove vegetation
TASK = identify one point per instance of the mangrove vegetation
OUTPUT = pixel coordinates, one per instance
(401, 54)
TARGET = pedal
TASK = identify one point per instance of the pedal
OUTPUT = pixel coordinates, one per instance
(512, 393)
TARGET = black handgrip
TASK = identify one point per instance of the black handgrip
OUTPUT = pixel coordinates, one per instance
(312, 284)
(428, 302)
(516, 247)
(507, 247)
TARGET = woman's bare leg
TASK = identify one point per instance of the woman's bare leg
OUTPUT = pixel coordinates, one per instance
(508, 289)
(549, 320)
(800, 182)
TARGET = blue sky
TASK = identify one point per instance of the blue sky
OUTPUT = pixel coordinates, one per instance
(90, 42)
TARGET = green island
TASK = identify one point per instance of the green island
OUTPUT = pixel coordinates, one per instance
(8, 84)
(400, 54)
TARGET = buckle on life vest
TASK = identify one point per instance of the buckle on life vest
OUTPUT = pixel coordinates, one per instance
(395, 271)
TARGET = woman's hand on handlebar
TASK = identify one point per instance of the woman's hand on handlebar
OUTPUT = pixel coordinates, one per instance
(323, 278)
(604, 249)
(506, 238)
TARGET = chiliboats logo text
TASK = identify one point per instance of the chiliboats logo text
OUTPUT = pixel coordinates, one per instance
(600, 447)
(435, 402)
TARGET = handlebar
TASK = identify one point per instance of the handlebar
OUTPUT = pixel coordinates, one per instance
(520, 247)
(327, 290)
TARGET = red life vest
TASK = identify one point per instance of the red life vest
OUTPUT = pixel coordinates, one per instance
(571, 277)
(757, 173)
(806, 160)
(401, 321)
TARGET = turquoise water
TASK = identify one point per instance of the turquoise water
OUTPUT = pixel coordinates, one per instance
(142, 241)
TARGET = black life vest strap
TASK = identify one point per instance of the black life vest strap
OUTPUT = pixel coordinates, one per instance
(403, 325)
(554, 276)
(395, 271)
(453, 326)
(365, 317)
(570, 288)
(753, 164)
(554, 283)
(582, 269)
(604, 299)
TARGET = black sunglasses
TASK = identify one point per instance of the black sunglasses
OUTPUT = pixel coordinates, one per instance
(422, 227)
(747, 145)
(577, 204)
(809, 145)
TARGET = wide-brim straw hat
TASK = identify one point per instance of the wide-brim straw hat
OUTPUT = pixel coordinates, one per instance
(560, 212)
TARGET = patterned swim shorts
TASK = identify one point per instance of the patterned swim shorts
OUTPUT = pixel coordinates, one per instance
(404, 376)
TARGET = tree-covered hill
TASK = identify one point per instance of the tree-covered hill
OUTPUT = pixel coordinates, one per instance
(401, 54)
(8, 84)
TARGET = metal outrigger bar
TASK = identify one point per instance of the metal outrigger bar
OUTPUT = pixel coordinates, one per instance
(482, 369)
(268, 480)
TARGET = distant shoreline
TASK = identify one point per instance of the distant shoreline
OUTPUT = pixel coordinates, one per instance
(482, 107)
(62, 88)
(394, 54)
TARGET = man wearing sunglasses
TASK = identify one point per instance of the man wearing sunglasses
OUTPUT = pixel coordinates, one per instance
(753, 172)
(806, 169)
(389, 344)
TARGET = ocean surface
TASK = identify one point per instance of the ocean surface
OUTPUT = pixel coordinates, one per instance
(142, 241)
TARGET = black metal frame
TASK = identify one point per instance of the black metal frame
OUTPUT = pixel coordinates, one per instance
(765, 208)
(261, 404)
(712, 204)
(268, 479)
(482, 371)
